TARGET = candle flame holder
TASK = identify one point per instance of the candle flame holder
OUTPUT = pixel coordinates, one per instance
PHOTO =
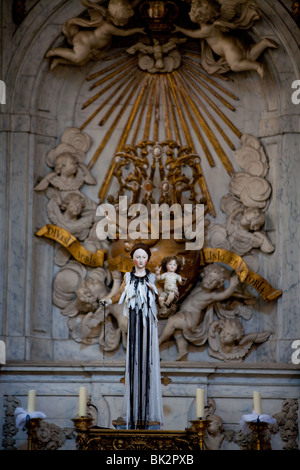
(201, 426)
(258, 427)
(31, 425)
(82, 423)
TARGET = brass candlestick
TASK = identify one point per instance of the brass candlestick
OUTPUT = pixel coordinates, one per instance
(32, 424)
(82, 423)
(201, 425)
(258, 427)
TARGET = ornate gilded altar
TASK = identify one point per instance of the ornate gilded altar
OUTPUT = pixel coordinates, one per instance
(117, 439)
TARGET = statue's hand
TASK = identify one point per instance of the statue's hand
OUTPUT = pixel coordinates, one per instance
(104, 302)
(157, 270)
(234, 280)
(151, 286)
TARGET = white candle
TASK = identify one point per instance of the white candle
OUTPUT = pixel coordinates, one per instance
(82, 401)
(31, 401)
(200, 402)
(257, 403)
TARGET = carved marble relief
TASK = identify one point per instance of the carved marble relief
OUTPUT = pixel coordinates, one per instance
(168, 72)
(245, 205)
(288, 423)
(211, 314)
(215, 26)
(91, 38)
(92, 42)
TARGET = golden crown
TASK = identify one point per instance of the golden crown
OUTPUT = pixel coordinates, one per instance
(159, 15)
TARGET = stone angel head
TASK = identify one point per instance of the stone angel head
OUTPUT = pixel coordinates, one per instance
(67, 161)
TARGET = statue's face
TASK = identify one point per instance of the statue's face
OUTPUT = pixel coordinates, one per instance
(227, 336)
(140, 258)
(74, 206)
(211, 279)
(203, 12)
(193, 14)
(252, 219)
(66, 165)
(120, 21)
(93, 286)
(172, 266)
(119, 14)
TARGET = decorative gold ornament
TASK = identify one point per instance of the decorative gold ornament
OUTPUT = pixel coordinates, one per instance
(201, 426)
(125, 439)
(247, 276)
(258, 427)
(184, 106)
(83, 423)
(32, 425)
(159, 15)
(74, 247)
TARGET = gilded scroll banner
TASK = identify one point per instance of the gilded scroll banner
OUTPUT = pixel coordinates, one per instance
(219, 255)
(74, 247)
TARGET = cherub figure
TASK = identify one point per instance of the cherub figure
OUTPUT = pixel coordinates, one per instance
(94, 41)
(214, 27)
(247, 229)
(75, 214)
(69, 174)
(243, 232)
(228, 341)
(189, 320)
(171, 266)
(93, 325)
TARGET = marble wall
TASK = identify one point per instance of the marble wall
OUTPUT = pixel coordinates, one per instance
(40, 105)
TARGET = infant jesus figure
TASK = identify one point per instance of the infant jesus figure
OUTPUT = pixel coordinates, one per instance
(171, 265)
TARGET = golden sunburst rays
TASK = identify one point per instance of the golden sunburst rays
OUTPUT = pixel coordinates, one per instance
(186, 105)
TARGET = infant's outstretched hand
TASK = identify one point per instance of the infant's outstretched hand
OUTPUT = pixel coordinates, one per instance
(157, 270)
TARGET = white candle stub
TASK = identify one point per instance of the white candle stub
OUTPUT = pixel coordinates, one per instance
(82, 401)
(31, 401)
(200, 402)
(257, 403)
